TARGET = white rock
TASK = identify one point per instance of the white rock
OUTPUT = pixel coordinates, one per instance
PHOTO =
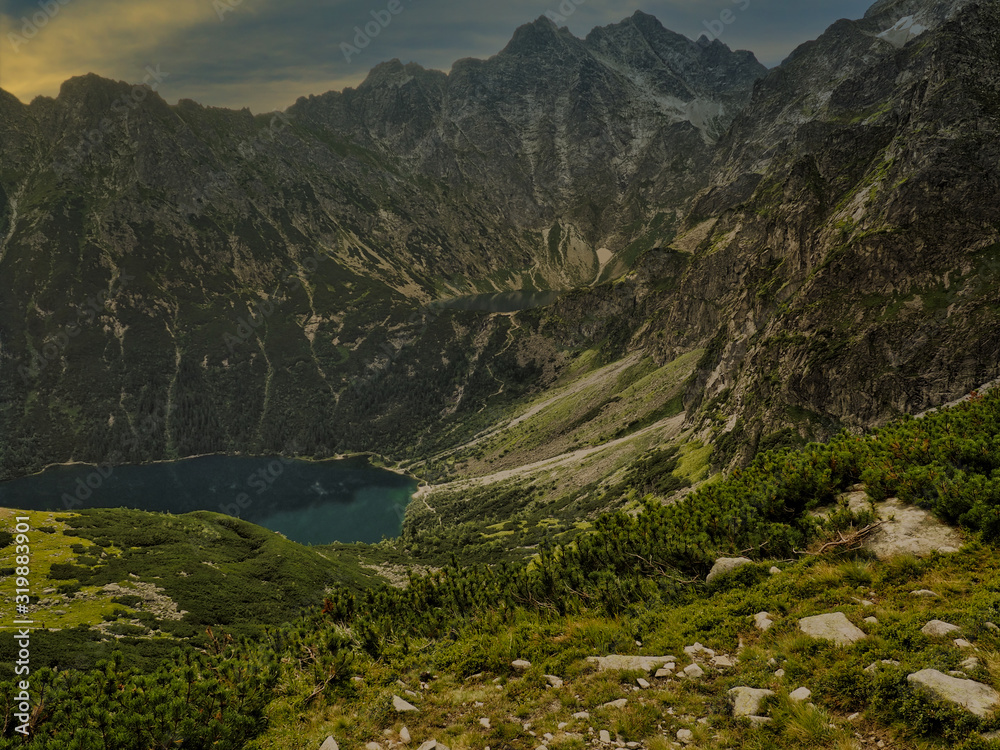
(762, 620)
(802, 694)
(725, 565)
(970, 663)
(521, 664)
(562, 725)
(746, 700)
(617, 661)
(429, 745)
(939, 628)
(404, 736)
(962, 643)
(620, 703)
(643, 684)
(401, 706)
(926, 594)
(329, 744)
(758, 720)
(694, 671)
(780, 673)
(605, 736)
(685, 735)
(485, 721)
(975, 697)
(584, 715)
(698, 650)
(832, 627)
(774, 570)
(722, 662)
(554, 681)
(871, 620)
(666, 670)
(373, 746)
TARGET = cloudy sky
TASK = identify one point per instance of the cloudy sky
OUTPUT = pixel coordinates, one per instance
(264, 54)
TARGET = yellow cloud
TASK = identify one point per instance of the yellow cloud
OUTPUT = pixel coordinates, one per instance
(112, 38)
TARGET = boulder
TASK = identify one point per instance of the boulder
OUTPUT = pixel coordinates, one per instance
(401, 706)
(832, 627)
(973, 696)
(762, 620)
(694, 671)
(939, 629)
(802, 694)
(747, 700)
(643, 663)
(726, 565)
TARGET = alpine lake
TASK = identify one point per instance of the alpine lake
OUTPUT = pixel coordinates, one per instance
(311, 502)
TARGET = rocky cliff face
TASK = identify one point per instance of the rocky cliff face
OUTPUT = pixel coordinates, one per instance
(267, 281)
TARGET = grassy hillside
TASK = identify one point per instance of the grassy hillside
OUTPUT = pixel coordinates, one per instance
(632, 582)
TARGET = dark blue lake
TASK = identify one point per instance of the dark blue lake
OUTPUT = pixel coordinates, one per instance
(313, 502)
(501, 302)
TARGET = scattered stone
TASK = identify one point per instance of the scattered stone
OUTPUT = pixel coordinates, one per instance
(329, 744)
(779, 673)
(404, 736)
(685, 735)
(867, 603)
(723, 662)
(871, 668)
(605, 736)
(854, 717)
(401, 706)
(772, 662)
(429, 745)
(357, 678)
(373, 746)
(871, 620)
(962, 643)
(747, 700)
(541, 747)
(485, 722)
(726, 565)
(758, 720)
(774, 570)
(926, 594)
(992, 626)
(694, 671)
(973, 696)
(562, 725)
(971, 663)
(583, 715)
(620, 703)
(802, 694)
(412, 693)
(521, 664)
(939, 628)
(643, 684)
(643, 663)
(667, 670)
(763, 620)
(832, 627)
(554, 681)
(698, 650)
(957, 673)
